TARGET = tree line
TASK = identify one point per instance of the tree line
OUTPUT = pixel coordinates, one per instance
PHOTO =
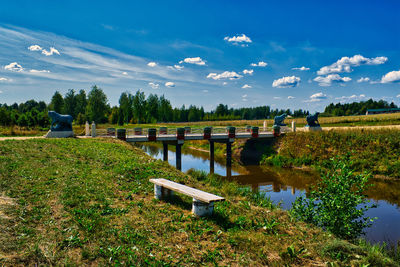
(132, 108)
(355, 108)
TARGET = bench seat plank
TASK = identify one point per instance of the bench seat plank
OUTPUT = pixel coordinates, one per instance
(189, 191)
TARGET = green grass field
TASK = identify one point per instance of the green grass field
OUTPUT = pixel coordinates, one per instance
(89, 202)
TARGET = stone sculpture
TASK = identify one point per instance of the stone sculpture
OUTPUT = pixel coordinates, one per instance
(312, 120)
(278, 120)
(61, 125)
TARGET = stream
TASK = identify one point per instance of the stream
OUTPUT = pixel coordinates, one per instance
(284, 185)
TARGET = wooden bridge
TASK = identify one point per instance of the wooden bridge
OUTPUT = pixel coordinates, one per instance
(178, 136)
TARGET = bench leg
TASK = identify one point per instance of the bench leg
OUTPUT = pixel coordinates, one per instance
(201, 208)
(162, 192)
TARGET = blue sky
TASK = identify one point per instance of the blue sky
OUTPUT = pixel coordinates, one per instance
(287, 54)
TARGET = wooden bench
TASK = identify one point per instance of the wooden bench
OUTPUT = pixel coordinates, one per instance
(203, 202)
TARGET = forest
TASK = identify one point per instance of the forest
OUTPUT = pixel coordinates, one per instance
(137, 108)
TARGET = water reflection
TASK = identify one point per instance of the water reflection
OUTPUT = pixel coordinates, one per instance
(283, 186)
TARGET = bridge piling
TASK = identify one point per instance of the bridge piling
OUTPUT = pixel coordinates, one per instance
(228, 154)
(165, 151)
(179, 156)
(211, 157)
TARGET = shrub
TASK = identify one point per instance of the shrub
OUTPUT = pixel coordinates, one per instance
(337, 203)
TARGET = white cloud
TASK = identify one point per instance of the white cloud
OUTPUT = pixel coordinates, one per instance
(124, 73)
(39, 71)
(169, 84)
(363, 79)
(231, 75)
(259, 64)
(193, 60)
(238, 39)
(1, 92)
(14, 66)
(301, 68)
(51, 52)
(317, 97)
(345, 63)
(351, 98)
(205, 91)
(152, 64)
(2, 79)
(178, 67)
(250, 72)
(35, 48)
(244, 96)
(397, 95)
(154, 85)
(277, 97)
(391, 77)
(290, 97)
(246, 86)
(289, 81)
(224, 83)
(331, 78)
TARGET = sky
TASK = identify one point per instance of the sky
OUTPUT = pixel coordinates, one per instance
(286, 54)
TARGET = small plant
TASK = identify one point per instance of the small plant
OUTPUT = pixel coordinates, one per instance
(292, 254)
(337, 203)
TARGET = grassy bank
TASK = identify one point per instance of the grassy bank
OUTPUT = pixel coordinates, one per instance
(74, 202)
(377, 151)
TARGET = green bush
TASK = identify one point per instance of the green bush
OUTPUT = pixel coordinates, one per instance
(337, 203)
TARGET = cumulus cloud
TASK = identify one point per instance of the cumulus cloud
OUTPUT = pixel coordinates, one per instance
(124, 73)
(301, 68)
(152, 64)
(259, 64)
(331, 78)
(250, 72)
(169, 84)
(345, 63)
(317, 97)
(277, 97)
(363, 79)
(224, 83)
(45, 52)
(290, 97)
(2, 79)
(289, 81)
(193, 60)
(176, 67)
(391, 77)
(246, 86)
(14, 66)
(35, 48)
(231, 75)
(205, 91)
(238, 39)
(351, 98)
(244, 96)
(39, 71)
(154, 85)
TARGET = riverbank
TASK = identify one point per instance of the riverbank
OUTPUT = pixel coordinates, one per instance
(88, 201)
(373, 151)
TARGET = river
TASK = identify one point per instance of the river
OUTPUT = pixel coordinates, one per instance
(283, 186)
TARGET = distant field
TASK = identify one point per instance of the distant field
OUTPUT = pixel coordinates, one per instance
(348, 121)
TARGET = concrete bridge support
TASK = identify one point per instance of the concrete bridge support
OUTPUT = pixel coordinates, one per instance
(228, 154)
(211, 157)
(179, 156)
(165, 151)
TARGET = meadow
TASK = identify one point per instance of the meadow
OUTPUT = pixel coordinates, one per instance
(89, 202)
(373, 151)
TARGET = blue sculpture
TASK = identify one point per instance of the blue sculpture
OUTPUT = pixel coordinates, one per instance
(312, 120)
(278, 120)
(61, 122)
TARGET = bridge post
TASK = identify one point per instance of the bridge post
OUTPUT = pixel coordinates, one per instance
(179, 156)
(93, 129)
(165, 151)
(228, 154)
(293, 126)
(211, 157)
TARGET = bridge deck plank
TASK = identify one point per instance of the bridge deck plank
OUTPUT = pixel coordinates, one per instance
(189, 191)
